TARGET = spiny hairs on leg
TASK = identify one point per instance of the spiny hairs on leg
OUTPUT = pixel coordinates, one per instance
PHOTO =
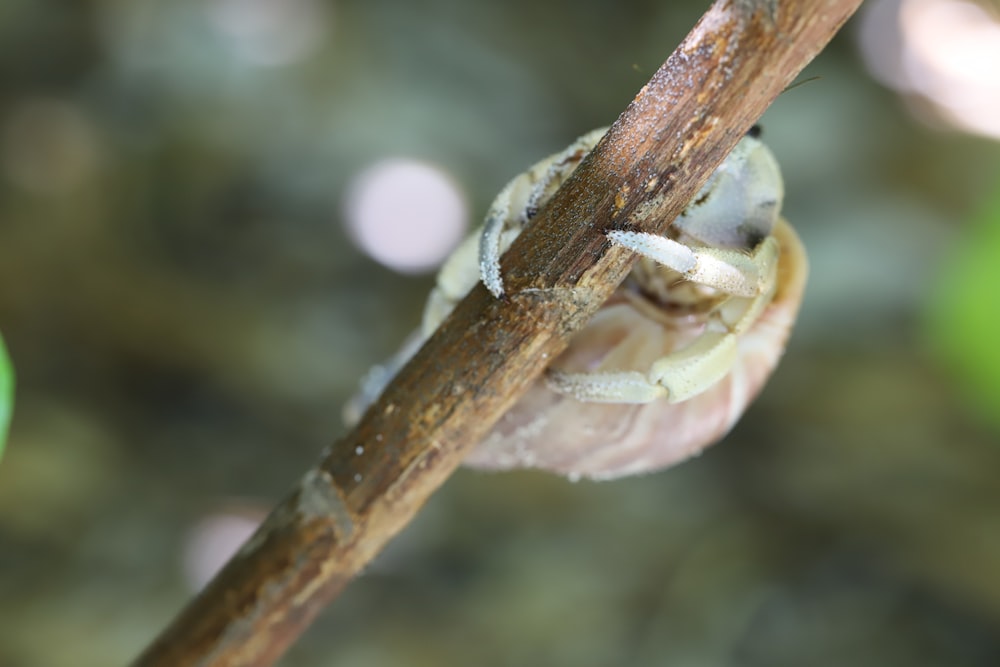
(624, 387)
(489, 241)
(729, 270)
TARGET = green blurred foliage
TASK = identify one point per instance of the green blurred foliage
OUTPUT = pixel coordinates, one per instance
(6, 394)
(964, 311)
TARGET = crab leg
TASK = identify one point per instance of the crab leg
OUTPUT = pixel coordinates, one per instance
(728, 270)
(676, 377)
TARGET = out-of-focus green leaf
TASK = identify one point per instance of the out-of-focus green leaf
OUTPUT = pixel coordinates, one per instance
(6, 394)
(964, 318)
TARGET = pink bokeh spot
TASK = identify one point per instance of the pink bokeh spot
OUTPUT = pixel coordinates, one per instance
(406, 214)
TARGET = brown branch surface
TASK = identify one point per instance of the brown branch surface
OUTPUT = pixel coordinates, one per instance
(369, 485)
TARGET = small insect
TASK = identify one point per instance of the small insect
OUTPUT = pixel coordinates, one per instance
(671, 361)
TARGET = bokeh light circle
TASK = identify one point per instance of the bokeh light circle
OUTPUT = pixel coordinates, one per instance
(406, 214)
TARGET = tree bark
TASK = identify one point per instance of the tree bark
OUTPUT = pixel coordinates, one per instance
(368, 486)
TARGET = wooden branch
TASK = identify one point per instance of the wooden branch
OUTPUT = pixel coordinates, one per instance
(369, 485)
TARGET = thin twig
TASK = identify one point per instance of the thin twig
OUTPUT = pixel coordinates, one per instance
(485, 355)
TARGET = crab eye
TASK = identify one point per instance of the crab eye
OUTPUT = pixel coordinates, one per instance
(740, 203)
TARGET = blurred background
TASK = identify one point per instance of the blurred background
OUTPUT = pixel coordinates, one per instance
(215, 215)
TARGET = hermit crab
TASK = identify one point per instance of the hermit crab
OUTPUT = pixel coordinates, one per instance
(669, 363)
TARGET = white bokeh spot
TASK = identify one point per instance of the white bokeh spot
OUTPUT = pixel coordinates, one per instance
(945, 51)
(406, 214)
(271, 33)
(213, 541)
